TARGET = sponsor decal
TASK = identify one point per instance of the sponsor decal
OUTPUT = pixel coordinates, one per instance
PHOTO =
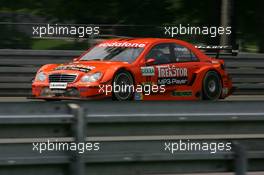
(182, 93)
(58, 85)
(212, 47)
(148, 83)
(172, 75)
(172, 71)
(172, 81)
(78, 67)
(148, 71)
(138, 96)
(181, 49)
(122, 44)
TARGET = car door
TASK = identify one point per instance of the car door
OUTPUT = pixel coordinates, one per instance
(163, 66)
(161, 54)
(174, 65)
(186, 61)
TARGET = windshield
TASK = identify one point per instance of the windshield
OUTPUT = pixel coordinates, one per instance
(124, 54)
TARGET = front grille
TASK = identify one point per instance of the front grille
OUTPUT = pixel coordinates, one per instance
(62, 78)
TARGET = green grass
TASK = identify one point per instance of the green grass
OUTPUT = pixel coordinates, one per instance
(45, 44)
(56, 44)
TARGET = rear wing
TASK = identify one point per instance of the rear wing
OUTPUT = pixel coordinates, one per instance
(219, 50)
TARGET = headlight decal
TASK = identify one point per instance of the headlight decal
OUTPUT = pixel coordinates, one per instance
(91, 78)
(41, 76)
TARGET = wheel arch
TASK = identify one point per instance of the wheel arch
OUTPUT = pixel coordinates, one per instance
(205, 71)
(219, 75)
(123, 69)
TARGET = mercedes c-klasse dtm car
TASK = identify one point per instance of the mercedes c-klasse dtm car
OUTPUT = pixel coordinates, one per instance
(139, 69)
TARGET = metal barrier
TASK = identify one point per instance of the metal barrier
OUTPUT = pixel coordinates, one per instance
(133, 137)
(18, 68)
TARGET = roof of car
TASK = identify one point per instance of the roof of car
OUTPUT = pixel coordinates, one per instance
(141, 40)
(153, 40)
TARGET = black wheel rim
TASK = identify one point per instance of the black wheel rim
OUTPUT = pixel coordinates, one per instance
(212, 87)
(124, 82)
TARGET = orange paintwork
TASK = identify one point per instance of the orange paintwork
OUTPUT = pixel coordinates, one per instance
(109, 68)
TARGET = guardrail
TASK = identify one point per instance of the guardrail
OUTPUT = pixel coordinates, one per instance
(132, 137)
(18, 67)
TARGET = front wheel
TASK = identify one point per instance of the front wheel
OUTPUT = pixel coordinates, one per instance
(212, 86)
(122, 86)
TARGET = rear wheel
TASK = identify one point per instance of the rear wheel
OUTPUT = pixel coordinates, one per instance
(212, 86)
(122, 86)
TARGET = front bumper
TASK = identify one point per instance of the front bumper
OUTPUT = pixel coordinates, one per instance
(72, 91)
(58, 98)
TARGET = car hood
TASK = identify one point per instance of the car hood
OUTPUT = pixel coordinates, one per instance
(82, 67)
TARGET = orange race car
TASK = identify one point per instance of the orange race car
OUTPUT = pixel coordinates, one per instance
(139, 69)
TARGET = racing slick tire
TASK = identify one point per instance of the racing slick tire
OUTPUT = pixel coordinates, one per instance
(212, 87)
(122, 83)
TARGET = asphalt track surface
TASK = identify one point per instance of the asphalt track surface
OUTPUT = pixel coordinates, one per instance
(231, 98)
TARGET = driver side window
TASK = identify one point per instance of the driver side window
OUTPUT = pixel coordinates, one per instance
(183, 54)
(161, 54)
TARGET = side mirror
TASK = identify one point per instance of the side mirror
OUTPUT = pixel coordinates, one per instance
(75, 59)
(150, 61)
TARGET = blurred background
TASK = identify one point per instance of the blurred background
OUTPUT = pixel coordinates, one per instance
(137, 18)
